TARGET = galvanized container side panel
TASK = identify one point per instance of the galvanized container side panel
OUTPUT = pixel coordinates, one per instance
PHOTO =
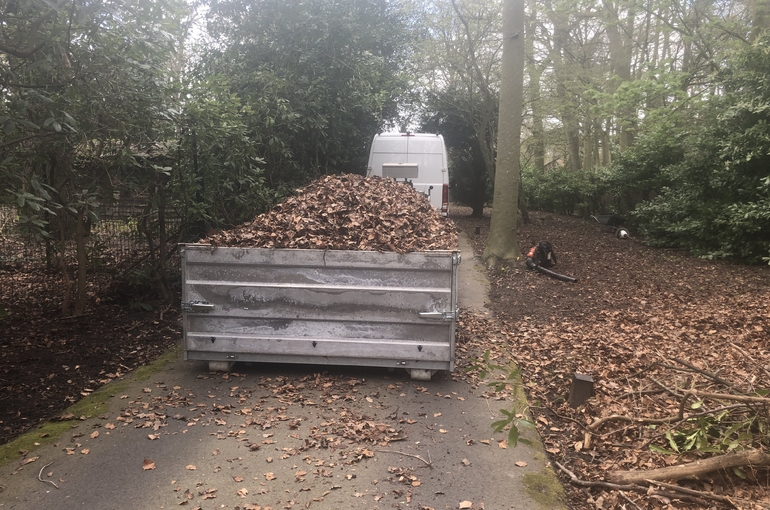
(322, 347)
(300, 304)
(322, 258)
(318, 276)
(319, 360)
(215, 326)
(327, 304)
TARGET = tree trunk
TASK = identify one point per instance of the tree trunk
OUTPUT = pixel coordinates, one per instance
(606, 153)
(162, 240)
(523, 212)
(760, 17)
(501, 243)
(588, 146)
(567, 101)
(66, 298)
(535, 74)
(82, 256)
(621, 43)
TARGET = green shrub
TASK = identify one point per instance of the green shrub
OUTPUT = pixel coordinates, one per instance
(563, 191)
(716, 199)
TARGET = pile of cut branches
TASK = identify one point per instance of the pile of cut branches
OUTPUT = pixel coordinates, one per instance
(347, 212)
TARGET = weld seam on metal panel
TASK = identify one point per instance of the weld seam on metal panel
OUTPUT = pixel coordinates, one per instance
(389, 341)
(324, 360)
(310, 286)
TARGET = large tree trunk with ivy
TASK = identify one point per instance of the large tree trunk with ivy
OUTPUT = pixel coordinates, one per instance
(501, 243)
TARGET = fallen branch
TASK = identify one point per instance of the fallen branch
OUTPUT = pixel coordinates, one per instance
(751, 359)
(641, 421)
(40, 475)
(623, 495)
(727, 396)
(709, 495)
(693, 469)
(633, 488)
(427, 462)
(709, 375)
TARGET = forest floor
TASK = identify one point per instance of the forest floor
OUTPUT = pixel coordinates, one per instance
(646, 324)
(657, 330)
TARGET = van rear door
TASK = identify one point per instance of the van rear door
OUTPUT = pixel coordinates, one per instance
(400, 155)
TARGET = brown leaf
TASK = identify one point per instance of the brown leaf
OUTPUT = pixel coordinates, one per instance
(190, 467)
(148, 465)
(94, 434)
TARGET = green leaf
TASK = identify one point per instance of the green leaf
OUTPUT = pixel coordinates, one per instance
(658, 449)
(513, 436)
(671, 441)
(500, 425)
(28, 124)
(70, 119)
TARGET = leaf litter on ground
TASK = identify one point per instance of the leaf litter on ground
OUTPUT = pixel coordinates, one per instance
(638, 320)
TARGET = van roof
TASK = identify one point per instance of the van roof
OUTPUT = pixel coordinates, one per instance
(408, 134)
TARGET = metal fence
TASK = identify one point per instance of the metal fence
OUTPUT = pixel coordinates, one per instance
(30, 267)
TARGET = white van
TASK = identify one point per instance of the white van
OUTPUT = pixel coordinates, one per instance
(416, 158)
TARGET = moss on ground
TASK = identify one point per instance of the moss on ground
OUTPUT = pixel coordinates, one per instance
(545, 488)
(93, 405)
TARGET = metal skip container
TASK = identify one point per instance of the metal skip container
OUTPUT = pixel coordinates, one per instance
(326, 307)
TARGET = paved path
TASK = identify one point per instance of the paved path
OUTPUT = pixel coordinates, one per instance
(283, 437)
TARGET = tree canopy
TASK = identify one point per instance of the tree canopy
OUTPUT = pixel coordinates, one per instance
(210, 113)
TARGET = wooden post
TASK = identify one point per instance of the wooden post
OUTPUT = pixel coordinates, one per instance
(581, 389)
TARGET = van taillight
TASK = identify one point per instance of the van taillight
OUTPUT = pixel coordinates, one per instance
(445, 199)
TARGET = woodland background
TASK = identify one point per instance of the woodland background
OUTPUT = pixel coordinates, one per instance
(129, 126)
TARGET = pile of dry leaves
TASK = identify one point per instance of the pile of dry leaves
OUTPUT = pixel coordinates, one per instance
(347, 212)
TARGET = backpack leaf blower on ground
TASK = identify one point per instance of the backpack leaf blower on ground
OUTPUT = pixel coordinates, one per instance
(542, 256)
